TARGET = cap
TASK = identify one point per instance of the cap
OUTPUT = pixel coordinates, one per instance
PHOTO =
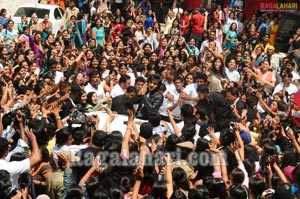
(245, 137)
(70, 156)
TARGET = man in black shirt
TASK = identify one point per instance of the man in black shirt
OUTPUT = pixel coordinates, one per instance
(121, 103)
(208, 100)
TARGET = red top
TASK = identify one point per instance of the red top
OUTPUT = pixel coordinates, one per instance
(198, 23)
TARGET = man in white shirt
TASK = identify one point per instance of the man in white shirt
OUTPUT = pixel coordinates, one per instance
(71, 10)
(212, 37)
(169, 80)
(57, 75)
(120, 88)
(286, 85)
(190, 94)
(177, 102)
(15, 168)
(94, 85)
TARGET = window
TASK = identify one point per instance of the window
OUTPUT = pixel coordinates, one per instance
(62, 12)
(28, 11)
(57, 14)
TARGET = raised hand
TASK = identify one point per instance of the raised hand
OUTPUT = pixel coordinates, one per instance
(139, 173)
(30, 134)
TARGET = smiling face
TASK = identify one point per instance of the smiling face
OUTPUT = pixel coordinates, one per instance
(95, 98)
(232, 65)
(103, 64)
(189, 79)
(95, 63)
(95, 80)
(46, 18)
(83, 98)
(98, 22)
(152, 85)
(217, 64)
(10, 24)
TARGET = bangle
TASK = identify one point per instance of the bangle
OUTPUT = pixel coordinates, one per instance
(58, 118)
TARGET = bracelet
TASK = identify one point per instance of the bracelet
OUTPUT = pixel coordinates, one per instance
(129, 129)
(58, 118)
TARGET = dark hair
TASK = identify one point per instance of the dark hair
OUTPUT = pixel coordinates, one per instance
(74, 191)
(226, 137)
(180, 180)
(238, 192)
(251, 152)
(126, 183)
(62, 136)
(199, 192)
(139, 79)
(146, 130)
(178, 194)
(233, 91)
(45, 154)
(99, 138)
(91, 185)
(162, 88)
(230, 28)
(187, 110)
(99, 193)
(171, 142)
(269, 148)
(238, 176)
(202, 76)
(249, 166)
(115, 193)
(221, 71)
(124, 78)
(3, 147)
(180, 78)
(64, 84)
(17, 157)
(154, 119)
(155, 78)
(159, 190)
(257, 186)
(217, 188)
(5, 185)
(202, 145)
(93, 73)
(51, 62)
(113, 71)
(296, 175)
(202, 89)
(89, 98)
(131, 89)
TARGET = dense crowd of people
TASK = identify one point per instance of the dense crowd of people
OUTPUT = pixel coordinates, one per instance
(220, 107)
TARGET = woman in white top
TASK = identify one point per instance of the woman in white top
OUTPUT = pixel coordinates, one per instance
(169, 21)
(229, 20)
(139, 32)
